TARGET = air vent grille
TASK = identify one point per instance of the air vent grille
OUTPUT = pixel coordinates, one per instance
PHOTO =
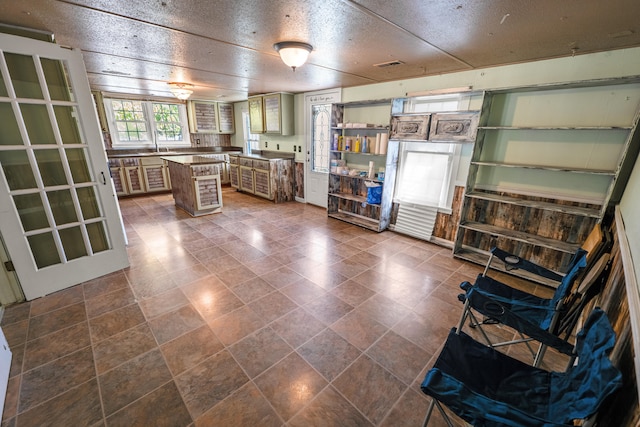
(388, 64)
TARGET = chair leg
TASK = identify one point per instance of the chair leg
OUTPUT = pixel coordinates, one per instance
(429, 411)
(444, 414)
(475, 322)
(539, 355)
(463, 318)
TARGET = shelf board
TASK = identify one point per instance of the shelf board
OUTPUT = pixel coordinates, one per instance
(555, 128)
(478, 256)
(521, 236)
(573, 210)
(353, 197)
(548, 168)
(361, 221)
(356, 177)
(360, 153)
(362, 128)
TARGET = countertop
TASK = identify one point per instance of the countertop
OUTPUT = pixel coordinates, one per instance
(197, 159)
(122, 153)
(267, 155)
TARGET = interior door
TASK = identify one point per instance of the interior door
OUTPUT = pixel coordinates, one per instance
(58, 211)
(317, 136)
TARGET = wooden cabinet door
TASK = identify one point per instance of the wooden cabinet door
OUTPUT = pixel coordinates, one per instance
(262, 183)
(233, 175)
(119, 180)
(155, 178)
(207, 192)
(246, 179)
(134, 179)
(256, 115)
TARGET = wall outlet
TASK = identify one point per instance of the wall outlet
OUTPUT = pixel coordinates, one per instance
(277, 146)
(266, 144)
(198, 141)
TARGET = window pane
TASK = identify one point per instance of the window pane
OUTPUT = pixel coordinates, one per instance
(68, 125)
(10, 134)
(56, 79)
(424, 177)
(62, 206)
(44, 249)
(167, 122)
(31, 211)
(320, 131)
(23, 76)
(78, 165)
(17, 170)
(97, 237)
(3, 87)
(36, 120)
(50, 166)
(73, 243)
(88, 202)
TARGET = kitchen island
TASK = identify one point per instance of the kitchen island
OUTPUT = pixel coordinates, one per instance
(195, 183)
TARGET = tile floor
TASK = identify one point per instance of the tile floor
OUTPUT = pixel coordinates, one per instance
(263, 315)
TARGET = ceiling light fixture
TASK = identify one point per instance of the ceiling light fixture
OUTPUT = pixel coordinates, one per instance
(294, 54)
(181, 91)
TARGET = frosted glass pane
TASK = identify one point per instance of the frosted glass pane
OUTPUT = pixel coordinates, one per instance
(72, 243)
(56, 80)
(31, 211)
(23, 76)
(10, 134)
(16, 167)
(44, 249)
(50, 165)
(36, 120)
(88, 202)
(98, 237)
(68, 125)
(62, 206)
(78, 165)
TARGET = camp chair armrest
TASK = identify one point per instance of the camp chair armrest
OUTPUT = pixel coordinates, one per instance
(513, 262)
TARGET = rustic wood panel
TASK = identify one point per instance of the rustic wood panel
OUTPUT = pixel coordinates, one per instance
(234, 176)
(282, 180)
(623, 409)
(299, 180)
(182, 186)
(446, 225)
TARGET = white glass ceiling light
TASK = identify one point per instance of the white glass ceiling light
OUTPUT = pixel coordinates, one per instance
(294, 54)
(181, 90)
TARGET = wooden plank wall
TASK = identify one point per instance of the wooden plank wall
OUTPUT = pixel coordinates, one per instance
(622, 409)
(299, 184)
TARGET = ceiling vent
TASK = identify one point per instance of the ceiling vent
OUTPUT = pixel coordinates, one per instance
(388, 64)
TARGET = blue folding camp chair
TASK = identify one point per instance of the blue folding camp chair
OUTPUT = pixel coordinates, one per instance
(487, 388)
(533, 317)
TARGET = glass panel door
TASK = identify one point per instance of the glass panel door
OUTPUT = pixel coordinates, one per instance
(55, 183)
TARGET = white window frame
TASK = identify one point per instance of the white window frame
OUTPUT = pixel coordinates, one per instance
(153, 141)
(252, 141)
(432, 104)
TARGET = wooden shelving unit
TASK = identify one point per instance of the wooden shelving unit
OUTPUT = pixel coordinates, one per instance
(544, 169)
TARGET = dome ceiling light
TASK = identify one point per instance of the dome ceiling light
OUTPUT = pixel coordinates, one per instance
(294, 54)
(181, 91)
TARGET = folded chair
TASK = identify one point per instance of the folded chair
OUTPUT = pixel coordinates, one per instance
(534, 318)
(487, 388)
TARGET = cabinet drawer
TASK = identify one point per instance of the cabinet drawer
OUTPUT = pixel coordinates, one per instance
(261, 164)
(246, 162)
(234, 160)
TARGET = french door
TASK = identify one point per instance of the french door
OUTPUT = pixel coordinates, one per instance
(58, 212)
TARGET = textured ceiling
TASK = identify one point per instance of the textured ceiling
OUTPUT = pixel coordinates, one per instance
(225, 48)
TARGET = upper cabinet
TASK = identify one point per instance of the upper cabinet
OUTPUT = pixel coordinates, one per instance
(210, 117)
(272, 113)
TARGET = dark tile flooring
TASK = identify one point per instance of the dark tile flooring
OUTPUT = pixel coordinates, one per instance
(262, 315)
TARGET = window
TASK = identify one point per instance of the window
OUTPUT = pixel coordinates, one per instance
(145, 124)
(427, 170)
(320, 131)
(253, 140)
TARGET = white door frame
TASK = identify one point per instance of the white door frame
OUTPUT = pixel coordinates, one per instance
(37, 282)
(315, 182)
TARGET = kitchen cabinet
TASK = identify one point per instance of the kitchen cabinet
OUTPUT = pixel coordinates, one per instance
(272, 114)
(155, 174)
(196, 184)
(127, 176)
(211, 117)
(271, 179)
(544, 169)
(351, 158)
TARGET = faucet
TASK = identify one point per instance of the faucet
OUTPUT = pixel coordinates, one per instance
(155, 142)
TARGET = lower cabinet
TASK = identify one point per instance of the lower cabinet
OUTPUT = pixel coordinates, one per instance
(155, 174)
(255, 177)
(207, 191)
(234, 173)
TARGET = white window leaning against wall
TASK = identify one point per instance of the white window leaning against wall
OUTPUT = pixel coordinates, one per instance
(427, 171)
(147, 124)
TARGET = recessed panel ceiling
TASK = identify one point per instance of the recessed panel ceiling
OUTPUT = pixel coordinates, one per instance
(225, 48)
